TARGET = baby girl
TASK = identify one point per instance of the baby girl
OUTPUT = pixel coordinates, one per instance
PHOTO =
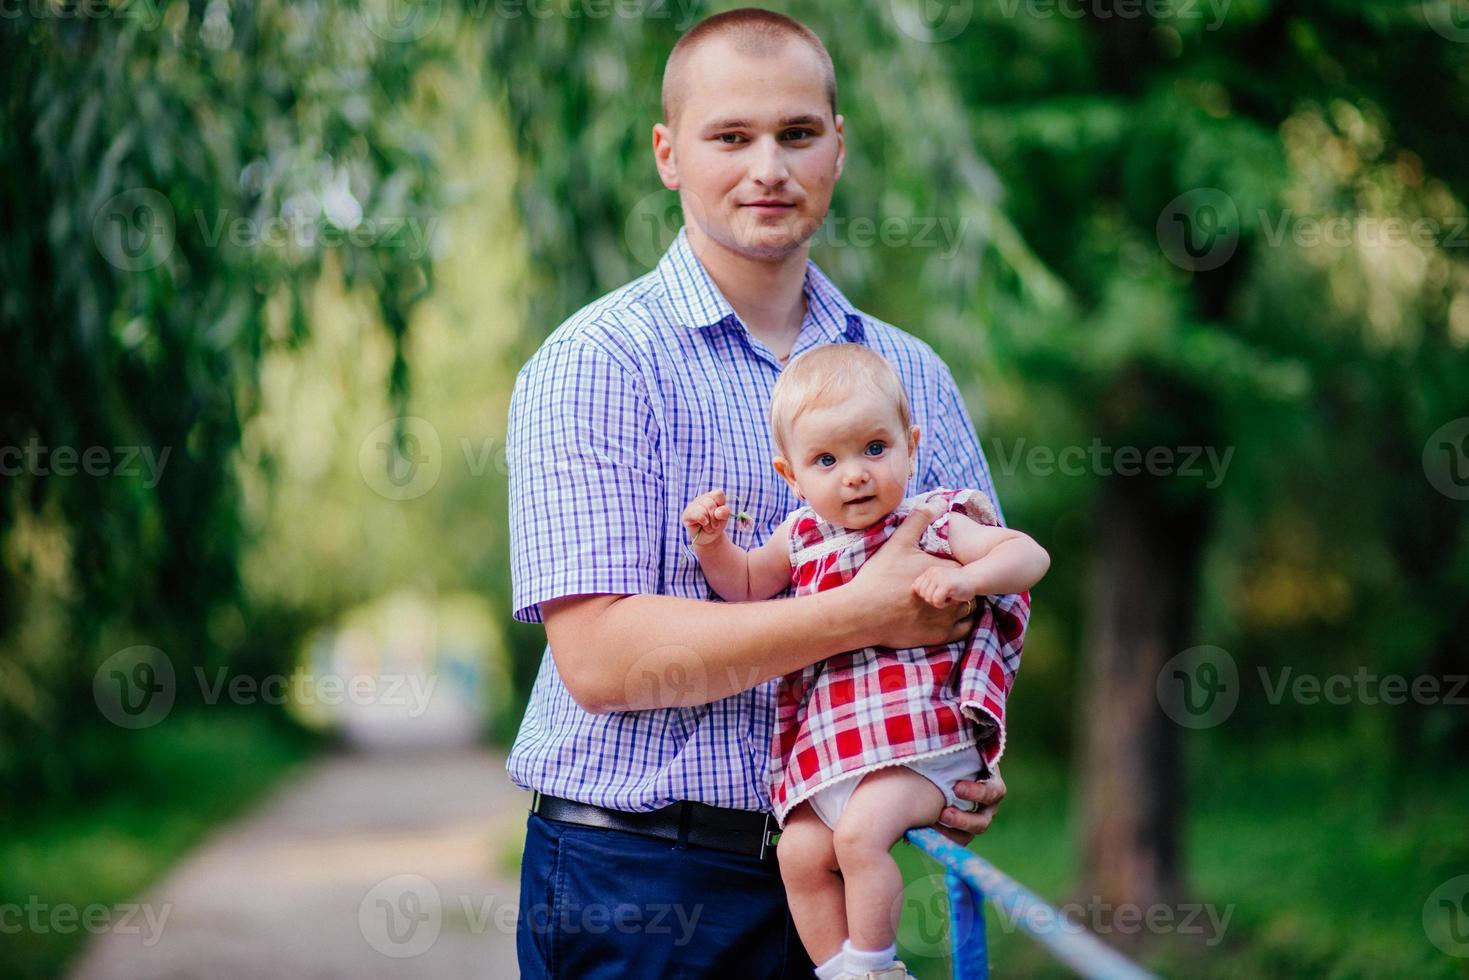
(869, 743)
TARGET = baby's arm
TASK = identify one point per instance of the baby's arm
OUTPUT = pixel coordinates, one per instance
(995, 560)
(736, 574)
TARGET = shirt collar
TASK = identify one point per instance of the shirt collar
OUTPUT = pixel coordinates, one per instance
(696, 302)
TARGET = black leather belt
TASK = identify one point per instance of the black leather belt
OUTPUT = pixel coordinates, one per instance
(746, 832)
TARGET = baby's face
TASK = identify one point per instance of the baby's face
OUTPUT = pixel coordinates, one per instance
(850, 460)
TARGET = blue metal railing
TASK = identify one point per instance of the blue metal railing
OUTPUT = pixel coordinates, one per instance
(971, 879)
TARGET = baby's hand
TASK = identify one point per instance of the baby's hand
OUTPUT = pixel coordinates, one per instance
(942, 586)
(706, 517)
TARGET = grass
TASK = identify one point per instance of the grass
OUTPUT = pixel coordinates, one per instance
(165, 788)
(1320, 855)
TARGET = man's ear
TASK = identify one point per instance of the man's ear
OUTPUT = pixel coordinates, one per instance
(841, 145)
(663, 157)
(783, 467)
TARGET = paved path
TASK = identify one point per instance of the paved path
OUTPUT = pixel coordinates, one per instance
(364, 866)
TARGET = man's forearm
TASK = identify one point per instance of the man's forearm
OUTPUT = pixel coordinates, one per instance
(655, 651)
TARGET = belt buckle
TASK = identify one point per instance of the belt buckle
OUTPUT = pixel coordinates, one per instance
(765, 840)
(535, 801)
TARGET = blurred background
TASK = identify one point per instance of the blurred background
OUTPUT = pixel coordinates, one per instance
(268, 269)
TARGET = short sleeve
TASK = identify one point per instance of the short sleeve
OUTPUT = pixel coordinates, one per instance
(586, 488)
(799, 531)
(973, 504)
(956, 459)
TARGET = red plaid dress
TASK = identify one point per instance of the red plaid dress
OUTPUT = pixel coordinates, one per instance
(866, 709)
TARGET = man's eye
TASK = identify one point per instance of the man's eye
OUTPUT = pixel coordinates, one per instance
(800, 134)
(875, 448)
(729, 138)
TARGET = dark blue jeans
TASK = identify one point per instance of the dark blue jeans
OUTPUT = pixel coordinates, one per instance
(604, 903)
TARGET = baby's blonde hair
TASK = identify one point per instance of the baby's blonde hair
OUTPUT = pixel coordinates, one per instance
(828, 374)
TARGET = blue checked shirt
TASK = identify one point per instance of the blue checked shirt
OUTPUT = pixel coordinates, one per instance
(639, 402)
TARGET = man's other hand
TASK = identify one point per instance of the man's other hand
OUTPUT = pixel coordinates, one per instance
(883, 587)
(962, 826)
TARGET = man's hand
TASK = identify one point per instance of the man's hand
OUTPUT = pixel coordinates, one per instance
(883, 592)
(963, 826)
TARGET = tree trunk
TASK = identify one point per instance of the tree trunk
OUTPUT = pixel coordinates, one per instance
(1140, 605)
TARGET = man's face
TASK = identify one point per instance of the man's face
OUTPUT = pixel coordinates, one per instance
(755, 151)
(850, 460)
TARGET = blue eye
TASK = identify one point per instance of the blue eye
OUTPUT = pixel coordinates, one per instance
(875, 448)
(826, 459)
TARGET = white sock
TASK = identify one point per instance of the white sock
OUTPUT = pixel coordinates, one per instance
(860, 961)
(831, 969)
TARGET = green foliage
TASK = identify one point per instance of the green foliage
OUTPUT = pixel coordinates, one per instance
(164, 171)
(1303, 896)
(154, 795)
(1323, 367)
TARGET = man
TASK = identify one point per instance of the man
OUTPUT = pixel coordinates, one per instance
(648, 850)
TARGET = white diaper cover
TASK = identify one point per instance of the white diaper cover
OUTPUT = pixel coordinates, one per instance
(943, 770)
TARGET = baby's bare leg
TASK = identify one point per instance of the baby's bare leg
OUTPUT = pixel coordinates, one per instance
(885, 803)
(808, 866)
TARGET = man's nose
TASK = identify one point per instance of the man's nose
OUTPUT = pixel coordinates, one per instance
(769, 166)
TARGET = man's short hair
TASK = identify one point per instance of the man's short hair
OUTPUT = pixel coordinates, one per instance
(828, 374)
(753, 31)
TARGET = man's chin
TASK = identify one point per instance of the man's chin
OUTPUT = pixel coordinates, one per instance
(768, 244)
